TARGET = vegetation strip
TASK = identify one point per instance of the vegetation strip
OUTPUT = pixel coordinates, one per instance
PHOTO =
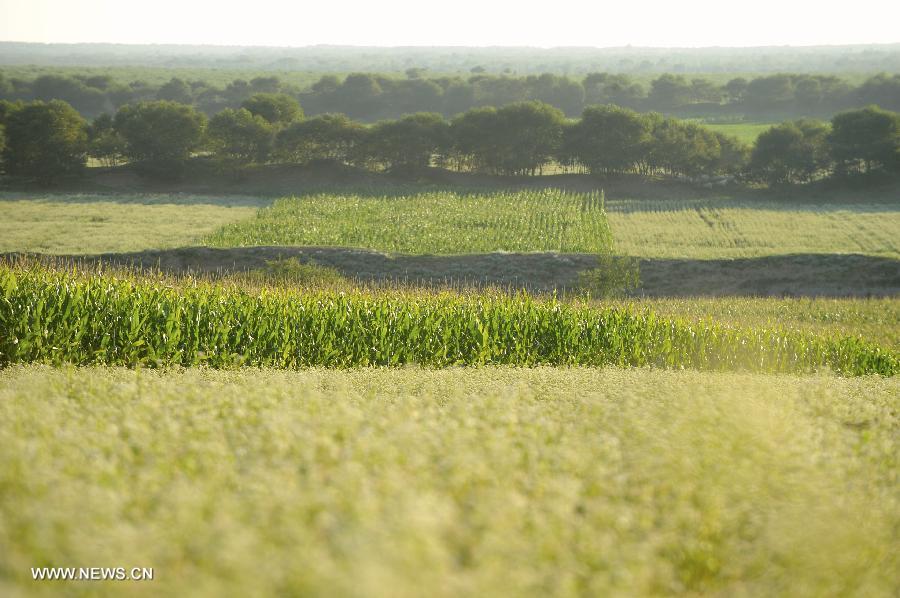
(64, 317)
(436, 222)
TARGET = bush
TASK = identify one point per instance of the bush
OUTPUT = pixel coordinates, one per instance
(613, 277)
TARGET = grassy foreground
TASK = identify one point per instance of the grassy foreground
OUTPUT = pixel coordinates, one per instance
(485, 482)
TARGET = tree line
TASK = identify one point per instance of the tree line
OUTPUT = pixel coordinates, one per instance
(371, 97)
(48, 140)
(865, 58)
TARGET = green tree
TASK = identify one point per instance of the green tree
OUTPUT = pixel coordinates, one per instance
(278, 109)
(175, 90)
(734, 154)
(475, 136)
(609, 139)
(238, 137)
(410, 142)
(791, 152)
(607, 88)
(866, 139)
(45, 141)
(160, 135)
(668, 92)
(325, 137)
(529, 136)
(86, 100)
(515, 139)
(104, 144)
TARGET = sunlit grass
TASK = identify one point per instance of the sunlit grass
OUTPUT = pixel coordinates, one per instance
(746, 132)
(730, 228)
(82, 224)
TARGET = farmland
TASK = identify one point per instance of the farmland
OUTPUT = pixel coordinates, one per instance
(874, 318)
(391, 437)
(732, 228)
(442, 222)
(95, 223)
(64, 318)
(604, 481)
(430, 222)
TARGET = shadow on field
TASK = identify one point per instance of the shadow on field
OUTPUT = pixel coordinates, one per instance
(203, 179)
(823, 275)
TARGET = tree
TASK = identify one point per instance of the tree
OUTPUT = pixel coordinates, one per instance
(561, 92)
(476, 139)
(770, 95)
(516, 139)
(606, 88)
(609, 139)
(160, 135)
(359, 96)
(410, 142)
(325, 137)
(668, 92)
(265, 84)
(735, 89)
(278, 109)
(530, 135)
(84, 99)
(104, 144)
(866, 139)
(734, 154)
(881, 90)
(239, 137)
(791, 152)
(45, 141)
(175, 90)
(7, 108)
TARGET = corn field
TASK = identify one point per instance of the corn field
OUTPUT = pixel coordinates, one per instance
(56, 316)
(436, 222)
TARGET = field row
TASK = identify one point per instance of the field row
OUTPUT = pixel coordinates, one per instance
(451, 223)
(59, 317)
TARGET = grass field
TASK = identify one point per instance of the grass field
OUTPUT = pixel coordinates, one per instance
(732, 228)
(746, 132)
(431, 222)
(79, 224)
(447, 223)
(465, 482)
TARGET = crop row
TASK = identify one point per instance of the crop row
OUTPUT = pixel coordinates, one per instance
(58, 316)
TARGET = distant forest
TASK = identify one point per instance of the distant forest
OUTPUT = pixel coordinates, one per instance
(371, 97)
(561, 61)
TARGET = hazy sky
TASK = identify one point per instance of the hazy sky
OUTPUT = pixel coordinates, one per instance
(453, 22)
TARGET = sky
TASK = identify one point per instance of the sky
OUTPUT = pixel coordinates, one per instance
(547, 23)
